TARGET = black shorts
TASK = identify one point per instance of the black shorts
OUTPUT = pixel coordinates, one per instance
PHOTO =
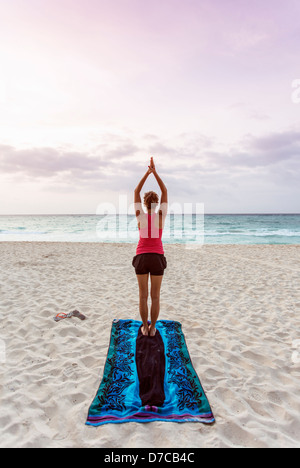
(153, 263)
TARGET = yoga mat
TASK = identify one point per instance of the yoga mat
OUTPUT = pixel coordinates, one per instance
(149, 378)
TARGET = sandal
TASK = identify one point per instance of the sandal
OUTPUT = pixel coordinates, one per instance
(79, 315)
(75, 313)
(62, 316)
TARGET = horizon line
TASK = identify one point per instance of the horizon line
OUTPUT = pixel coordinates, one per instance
(132, 214)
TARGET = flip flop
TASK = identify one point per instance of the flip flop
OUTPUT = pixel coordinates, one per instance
(75, 313)
(62, 316)
(79, 315)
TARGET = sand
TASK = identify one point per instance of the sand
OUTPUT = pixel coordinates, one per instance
(239, 308)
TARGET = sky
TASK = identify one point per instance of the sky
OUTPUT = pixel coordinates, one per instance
(90, 89)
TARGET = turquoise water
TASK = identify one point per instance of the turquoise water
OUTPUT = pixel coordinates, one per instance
(187, 229)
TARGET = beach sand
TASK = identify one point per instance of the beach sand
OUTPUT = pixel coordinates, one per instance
(239, 308)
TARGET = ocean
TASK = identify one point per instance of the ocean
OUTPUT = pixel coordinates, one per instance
(179, 229)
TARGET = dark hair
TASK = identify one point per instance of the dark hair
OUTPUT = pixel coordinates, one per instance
(150, 198)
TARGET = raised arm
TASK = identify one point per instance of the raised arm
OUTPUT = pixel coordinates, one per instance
(163, 188)
(137, 190)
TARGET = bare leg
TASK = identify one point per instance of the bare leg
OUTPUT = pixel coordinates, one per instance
(155, 298)
(143, 290)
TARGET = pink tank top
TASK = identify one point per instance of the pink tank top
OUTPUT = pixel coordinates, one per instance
(150, 237)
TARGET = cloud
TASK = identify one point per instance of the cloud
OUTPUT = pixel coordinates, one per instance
(43, 162)
(198, 156)
(51, 162)
(289, 141)
(189, 164)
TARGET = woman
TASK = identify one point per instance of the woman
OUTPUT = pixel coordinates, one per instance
(150, 258)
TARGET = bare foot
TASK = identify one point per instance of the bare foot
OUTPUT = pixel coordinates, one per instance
(152, 330)
(145, 330)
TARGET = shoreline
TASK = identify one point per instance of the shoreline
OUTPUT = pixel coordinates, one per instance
(239, 308)
(184, 246)
(237, 229)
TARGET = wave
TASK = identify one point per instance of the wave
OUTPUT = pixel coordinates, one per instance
(239, 229)
(281, 233)
(25, 233)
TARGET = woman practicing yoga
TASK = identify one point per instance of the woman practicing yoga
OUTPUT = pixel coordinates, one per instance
(150, 258)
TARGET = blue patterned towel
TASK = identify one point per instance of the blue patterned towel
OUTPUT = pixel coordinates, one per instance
(149, 378)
